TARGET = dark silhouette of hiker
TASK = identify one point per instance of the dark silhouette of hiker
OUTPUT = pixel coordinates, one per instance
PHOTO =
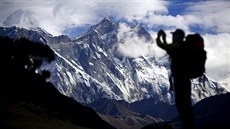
(181, 82)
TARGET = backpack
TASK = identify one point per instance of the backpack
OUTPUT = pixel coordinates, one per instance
(195, 56)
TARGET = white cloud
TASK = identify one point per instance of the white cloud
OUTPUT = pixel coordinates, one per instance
(57, 15)
(211, 14)
(218, 55)
(130, 44)
(168, 20)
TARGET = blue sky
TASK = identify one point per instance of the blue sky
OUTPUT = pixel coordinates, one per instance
(209, 17)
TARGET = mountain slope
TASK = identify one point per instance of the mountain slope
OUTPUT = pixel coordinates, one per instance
(21, 114)
(28, 101)
(120, 115)
(212, 112)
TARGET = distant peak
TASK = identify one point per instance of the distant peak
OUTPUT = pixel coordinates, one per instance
(41, 30)
(106, 20)
(104, 26)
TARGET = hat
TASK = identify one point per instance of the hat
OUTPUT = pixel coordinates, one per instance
(179, 32)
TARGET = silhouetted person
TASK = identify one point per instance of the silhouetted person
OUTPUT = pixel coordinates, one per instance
(181, 82)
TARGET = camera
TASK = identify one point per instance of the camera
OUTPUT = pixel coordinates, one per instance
(161, 33)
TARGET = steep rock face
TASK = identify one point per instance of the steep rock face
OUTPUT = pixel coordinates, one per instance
(119, 114)
(88, 69)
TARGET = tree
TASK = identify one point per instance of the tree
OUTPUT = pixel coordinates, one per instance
(24, 55)
(19, 61)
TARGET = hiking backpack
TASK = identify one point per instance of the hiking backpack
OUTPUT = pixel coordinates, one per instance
(195, 56)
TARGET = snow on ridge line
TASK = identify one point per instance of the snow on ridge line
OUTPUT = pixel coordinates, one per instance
(78, 70)
(89, 78)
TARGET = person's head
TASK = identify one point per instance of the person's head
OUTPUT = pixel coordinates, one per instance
(178, 36)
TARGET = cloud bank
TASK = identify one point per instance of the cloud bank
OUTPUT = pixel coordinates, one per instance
(133, 46)
(57, 15)
(130, 44)
(218, 55)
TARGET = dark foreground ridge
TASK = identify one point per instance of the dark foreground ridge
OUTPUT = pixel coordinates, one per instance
(210, 113)
(28, 101)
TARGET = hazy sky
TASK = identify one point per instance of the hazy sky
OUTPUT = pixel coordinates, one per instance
(209, 17)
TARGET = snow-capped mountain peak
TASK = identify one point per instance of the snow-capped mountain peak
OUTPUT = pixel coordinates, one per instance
(105, 26)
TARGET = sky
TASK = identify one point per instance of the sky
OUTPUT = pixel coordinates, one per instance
(71, 17)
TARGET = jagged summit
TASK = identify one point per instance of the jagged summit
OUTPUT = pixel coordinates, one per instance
(104, 26)
(140, 30)
(35, 34)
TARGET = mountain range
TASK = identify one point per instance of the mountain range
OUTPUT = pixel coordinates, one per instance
(90, 69)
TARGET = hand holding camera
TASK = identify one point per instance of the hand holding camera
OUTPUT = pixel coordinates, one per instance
(161, 33)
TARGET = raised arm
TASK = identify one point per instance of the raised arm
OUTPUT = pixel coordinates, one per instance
(169, 48)
(161, 44)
